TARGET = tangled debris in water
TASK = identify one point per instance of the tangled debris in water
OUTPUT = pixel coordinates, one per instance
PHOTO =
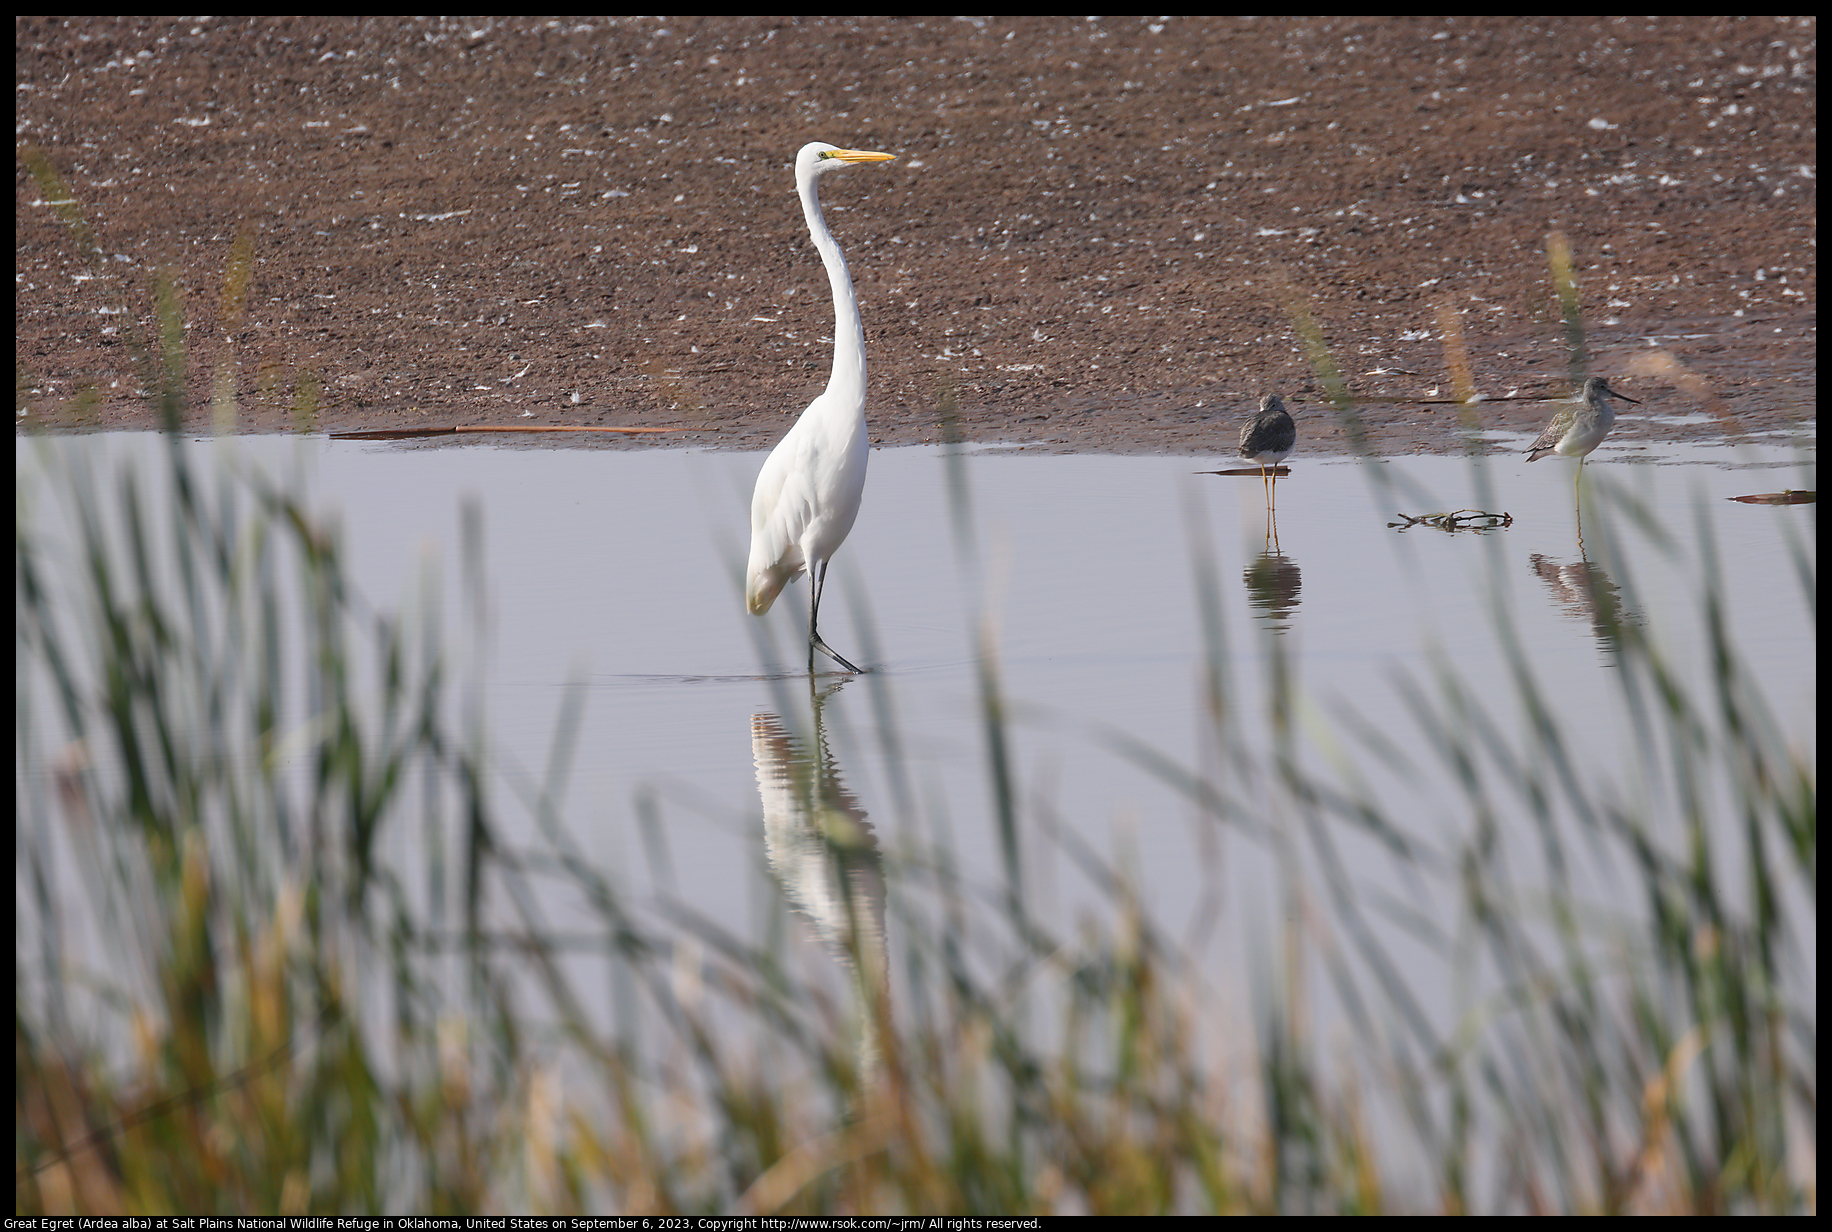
(1462, 519)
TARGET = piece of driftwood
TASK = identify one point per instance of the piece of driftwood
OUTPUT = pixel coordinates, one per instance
(396, 434)
(1789, 497)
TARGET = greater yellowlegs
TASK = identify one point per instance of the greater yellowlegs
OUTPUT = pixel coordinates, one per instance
(1580, 425)
(1267, 439)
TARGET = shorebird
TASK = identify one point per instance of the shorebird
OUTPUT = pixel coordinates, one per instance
(1267, 439)
(1580, 425)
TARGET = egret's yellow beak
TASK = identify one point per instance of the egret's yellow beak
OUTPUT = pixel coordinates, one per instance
(857, 156)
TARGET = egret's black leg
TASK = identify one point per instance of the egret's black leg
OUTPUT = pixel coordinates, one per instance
(814, 611)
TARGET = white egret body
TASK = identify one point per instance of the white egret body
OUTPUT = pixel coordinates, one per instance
(808, 492)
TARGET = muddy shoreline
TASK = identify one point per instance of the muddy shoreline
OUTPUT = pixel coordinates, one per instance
(1099, 235)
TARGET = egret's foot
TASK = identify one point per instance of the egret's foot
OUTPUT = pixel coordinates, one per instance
(824, 648)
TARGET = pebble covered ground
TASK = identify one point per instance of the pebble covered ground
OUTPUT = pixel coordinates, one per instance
(1100, 233)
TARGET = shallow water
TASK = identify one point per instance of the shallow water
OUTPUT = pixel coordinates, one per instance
(618, 572)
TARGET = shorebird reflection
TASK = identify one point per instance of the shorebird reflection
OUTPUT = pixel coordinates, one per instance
(1586, 592)
(1273, 581)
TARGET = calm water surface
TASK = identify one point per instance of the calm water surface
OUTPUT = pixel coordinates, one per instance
(618, 573)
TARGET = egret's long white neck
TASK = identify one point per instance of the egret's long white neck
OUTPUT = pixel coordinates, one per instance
(848, 378)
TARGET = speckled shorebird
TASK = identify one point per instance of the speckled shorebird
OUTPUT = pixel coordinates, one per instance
(1580, 425)
(1267, 439)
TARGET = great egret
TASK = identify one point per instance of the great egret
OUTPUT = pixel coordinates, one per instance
(808, 491)
(1267, 439)
(1580, 425)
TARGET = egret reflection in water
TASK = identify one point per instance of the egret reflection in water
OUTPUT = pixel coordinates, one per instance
(824, 854)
